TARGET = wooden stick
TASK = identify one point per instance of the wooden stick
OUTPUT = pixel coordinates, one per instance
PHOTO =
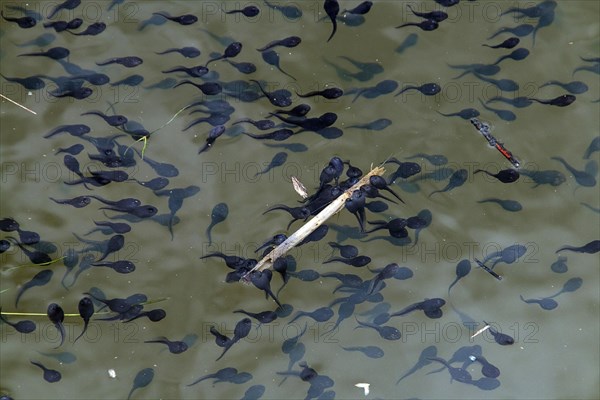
(20, 105)
(333, 208)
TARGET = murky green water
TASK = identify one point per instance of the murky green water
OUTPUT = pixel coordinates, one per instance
(556, 352)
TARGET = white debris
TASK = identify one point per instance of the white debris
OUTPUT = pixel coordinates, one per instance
(365, 386)
(299, 187)
(112, 373)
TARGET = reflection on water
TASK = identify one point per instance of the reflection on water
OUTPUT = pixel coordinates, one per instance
(546, 302)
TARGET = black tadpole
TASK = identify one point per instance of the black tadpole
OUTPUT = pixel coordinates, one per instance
(142, 379)
(332, 9)
(262, 280)
(50, 375)
(57, 316)
(380, 183)
(230, 51)
(264, 317)
(241, 330)
(213, 135)
(175, 347)
(499, 337)
(356, 205)
(86, 310)
(40, 279)
(25, 326)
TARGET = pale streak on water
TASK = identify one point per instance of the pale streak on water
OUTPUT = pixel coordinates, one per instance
(556, 352)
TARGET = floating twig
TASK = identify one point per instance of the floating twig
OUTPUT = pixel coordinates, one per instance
(333, 208)
(144, 138)
(485, 130)
(488, 269)
(35, 265)
(486, 327)
(20, 105)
